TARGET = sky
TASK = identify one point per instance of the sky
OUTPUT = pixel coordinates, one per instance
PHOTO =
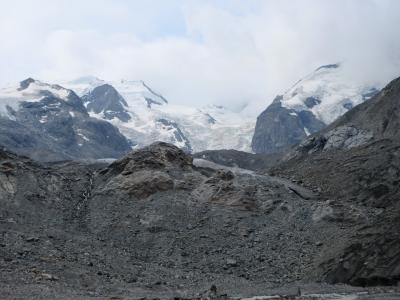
(228, 52)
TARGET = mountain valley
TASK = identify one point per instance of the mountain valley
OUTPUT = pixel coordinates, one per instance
(158, 223)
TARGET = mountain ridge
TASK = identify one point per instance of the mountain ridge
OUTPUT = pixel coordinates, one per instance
(49, 122)
(308, 106)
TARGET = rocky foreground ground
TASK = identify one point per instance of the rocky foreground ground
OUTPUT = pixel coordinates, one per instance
(155, 224)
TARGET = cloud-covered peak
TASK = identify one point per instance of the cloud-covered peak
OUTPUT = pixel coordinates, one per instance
(229, 52)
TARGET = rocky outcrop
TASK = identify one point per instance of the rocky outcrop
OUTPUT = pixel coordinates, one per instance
(342, 137)
(143, 172)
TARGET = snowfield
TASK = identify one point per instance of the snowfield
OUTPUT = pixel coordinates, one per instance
(327, 93)
(153, 118)
(149, 117)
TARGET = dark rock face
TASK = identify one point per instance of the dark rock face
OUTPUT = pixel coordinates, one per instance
(155, 94)
(355, 162)
(330, 66)
(278, 128)
(310, 102)
(55, 129)
(105, 99)
(348, 105)
(25, 83)
(150, 102)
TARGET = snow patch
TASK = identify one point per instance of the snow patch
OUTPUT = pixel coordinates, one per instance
(43, 119)
(84, 137)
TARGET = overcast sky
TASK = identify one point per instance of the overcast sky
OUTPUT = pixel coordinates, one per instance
(198, 52)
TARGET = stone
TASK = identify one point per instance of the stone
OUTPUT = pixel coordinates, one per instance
(231, 262)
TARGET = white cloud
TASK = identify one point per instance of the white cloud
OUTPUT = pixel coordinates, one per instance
(227, 52)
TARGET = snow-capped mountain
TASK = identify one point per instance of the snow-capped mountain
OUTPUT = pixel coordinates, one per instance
(145, 116)
(80, 118)
(49, 122)
(30, 90)
(326, 93)
(311, 104)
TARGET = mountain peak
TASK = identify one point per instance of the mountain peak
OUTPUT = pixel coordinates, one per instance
(25, 83)
(105, 99)
(326, 93)
(141, 86)
(329, 66)
(33, 90)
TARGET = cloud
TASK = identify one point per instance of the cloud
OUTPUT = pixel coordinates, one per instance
(225, 52)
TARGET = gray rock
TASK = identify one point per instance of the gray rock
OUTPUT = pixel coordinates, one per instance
(106, 100)
(278, 128)
(231, 262)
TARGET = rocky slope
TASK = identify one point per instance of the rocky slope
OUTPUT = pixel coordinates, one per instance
(158, 224)
(355, 163)
(48, 122)
(155, 223)
(311, 104)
